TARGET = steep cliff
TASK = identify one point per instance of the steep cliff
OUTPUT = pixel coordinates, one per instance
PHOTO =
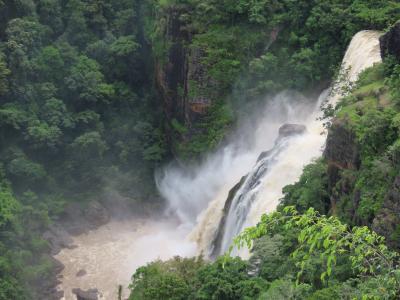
(187, 89)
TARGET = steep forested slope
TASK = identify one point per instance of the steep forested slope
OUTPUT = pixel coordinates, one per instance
(79, 119)
(95, 93)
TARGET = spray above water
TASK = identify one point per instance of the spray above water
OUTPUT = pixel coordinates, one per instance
(262, 188)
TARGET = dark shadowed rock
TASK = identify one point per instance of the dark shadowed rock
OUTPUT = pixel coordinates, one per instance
(81, 273)
(285, 130)
(92, 294)
(390, 42)
(96, 214)
(291, 129)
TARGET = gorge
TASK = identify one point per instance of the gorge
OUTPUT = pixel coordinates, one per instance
(202, 218)
(199, 149)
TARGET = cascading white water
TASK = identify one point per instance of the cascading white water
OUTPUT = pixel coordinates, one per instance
(288, 161)
(111, 253)
(362, 53)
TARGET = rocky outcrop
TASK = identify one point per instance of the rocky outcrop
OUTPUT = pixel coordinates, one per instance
(390, 42)
(387, 221)
(182, 79)
(285, 130)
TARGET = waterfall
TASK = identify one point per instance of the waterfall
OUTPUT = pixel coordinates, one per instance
(215, 200)
(262, 190)
(204, 197)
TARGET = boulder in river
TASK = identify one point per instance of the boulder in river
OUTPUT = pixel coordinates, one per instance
(81, 273)
(91, 294)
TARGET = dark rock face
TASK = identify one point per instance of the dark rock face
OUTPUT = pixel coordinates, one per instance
(92, 294)
(390, 42)
(387, 221)
(182, 80)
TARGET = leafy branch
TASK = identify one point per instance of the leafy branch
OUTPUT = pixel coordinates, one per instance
(329, 238)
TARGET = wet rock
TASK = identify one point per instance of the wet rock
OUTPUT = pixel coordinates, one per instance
(81, 273)
(285, 130)
(96, 214)
(92, 294)
(291, 129)
(57, 238)
(390, 42)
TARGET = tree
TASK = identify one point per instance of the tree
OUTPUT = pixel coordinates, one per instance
(329, 238)
(86, 82)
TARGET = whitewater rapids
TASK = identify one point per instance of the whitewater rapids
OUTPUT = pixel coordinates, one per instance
(110, 254)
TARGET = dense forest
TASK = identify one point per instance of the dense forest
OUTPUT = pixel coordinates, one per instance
(96, 94)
